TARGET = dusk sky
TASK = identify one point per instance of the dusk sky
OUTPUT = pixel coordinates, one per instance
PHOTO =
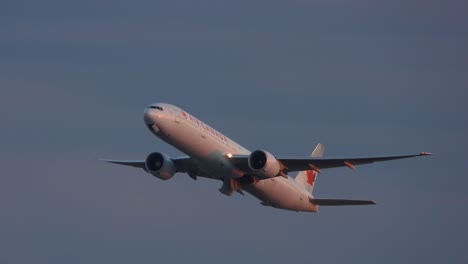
(362, 77)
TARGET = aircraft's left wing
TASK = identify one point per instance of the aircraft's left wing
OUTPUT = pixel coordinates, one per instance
(302, 164)
(293, 164)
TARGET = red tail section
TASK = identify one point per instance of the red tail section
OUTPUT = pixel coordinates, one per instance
(311, 176)
(307, 178)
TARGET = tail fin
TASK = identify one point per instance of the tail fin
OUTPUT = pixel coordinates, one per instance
(306, 179)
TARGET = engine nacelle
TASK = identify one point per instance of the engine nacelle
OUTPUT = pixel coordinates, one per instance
(264, 164)
(160, 165)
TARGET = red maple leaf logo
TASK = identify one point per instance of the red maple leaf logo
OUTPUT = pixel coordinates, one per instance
(311, 175)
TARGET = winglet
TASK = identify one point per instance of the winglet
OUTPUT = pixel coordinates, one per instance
(425, 153)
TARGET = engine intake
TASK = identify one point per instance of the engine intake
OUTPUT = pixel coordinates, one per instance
(160, 165)
(264, 164)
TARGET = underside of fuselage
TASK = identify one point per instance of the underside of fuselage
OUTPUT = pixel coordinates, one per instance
(278, 193)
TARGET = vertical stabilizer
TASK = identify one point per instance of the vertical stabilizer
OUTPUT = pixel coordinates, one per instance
(306, 179)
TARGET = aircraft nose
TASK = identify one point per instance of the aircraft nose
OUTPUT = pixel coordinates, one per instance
(149, 117)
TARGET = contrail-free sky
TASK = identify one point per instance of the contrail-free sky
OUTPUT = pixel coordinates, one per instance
(363, 78)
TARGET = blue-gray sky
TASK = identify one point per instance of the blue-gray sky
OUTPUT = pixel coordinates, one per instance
(362, 77)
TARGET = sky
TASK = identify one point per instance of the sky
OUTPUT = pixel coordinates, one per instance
(362, 77)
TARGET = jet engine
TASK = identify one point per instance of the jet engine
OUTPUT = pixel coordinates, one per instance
(160, 165)
(264, 164)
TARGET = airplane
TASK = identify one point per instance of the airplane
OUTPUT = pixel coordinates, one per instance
(211, 154)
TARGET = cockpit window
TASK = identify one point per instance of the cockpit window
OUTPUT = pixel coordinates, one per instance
(156, 107)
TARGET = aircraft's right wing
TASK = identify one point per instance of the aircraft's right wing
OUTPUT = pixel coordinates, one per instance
(339, 202)
(132, 163)
(182, 164)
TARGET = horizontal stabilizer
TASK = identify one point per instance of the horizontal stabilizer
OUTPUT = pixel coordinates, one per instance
(339, 202)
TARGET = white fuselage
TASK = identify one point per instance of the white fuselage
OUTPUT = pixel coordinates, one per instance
(209, 149)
